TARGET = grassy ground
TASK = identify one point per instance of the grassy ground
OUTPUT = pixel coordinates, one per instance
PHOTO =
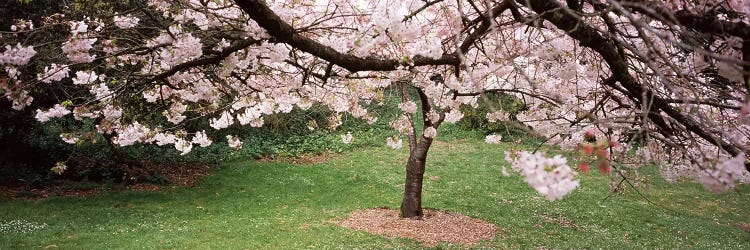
(250, 205)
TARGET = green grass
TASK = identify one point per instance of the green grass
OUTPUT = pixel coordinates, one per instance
(251, 205)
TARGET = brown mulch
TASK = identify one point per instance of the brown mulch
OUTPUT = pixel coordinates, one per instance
(177, 174)
(19, 191)
(435, 226)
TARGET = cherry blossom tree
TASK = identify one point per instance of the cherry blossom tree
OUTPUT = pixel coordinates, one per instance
(618, 82)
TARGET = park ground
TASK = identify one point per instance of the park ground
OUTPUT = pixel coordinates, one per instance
(250, 204)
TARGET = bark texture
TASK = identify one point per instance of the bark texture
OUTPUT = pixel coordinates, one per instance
(411, 205)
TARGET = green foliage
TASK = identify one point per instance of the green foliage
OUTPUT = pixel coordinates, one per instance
(300, 132)
(475, 117)
(246, 204)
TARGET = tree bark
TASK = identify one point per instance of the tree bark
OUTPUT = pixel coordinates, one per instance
(411, 205)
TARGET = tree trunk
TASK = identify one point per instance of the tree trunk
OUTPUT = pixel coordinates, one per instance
(411, 205)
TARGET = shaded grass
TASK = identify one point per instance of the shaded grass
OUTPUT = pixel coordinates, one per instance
(251, 205)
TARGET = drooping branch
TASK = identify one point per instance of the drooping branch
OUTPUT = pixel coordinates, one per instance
(709, 24)
(588, 37)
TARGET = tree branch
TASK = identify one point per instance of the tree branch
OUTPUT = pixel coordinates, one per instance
(587, 36)
(279, 29)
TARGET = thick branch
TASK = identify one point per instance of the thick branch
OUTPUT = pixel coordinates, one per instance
(279, 29)
(587, 36)
(485, 26)
(215, 59)
(709, 24)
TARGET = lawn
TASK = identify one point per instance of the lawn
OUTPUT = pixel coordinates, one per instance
(262, 205)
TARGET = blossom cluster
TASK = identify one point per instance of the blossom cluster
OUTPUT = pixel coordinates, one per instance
(56, 111)
(394, 142)
(493, 138)
(723, 176)
(347, 138)
(429, 132)
(53, 73)
(78, 45)
(19, 55)
(234, 142)
(126, 22)
(408, 107)
(550, 177)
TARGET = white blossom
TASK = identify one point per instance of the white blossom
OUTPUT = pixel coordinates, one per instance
(126, 22)
(183, 146)
(201, 139)
(723, 176)
(430, 132)
(550, 177)
(224, 121)
(53, 73)
(493, 139)
(234, 142)
(394, 142)
(347, 138)
(17, 56)
(408, 107)
(56, 111)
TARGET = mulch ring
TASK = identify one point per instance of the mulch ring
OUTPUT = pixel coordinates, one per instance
(177, 174)
(435, 226)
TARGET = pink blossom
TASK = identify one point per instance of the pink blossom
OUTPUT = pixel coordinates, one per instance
(85, 77)
(402, 124)
(56, 111)
(745, 113)
(77, 49)
(69, 138)
(164, 139)
(21, 99)
(112, 113)
(183, 146)
(53, 73)
(163, 39)
(81, 112)
(550, 177)
(101, 91)
(724, 174)
(252, 115)
(17, 56)
(493, 139)
(430, 132)
(175, 113)
(59, 168)
(234, 142)
(394, 142)
(131, 134)
(408, 107)
(161, 5)
(126, 22)
(224, 121)
(201, 139)
(185, 47)
(453, 116)
(78, 27)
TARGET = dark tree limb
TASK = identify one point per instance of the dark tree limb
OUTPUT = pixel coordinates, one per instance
(285, 33)
(588, 37)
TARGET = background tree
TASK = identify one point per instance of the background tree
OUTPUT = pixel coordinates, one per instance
(620, 82)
